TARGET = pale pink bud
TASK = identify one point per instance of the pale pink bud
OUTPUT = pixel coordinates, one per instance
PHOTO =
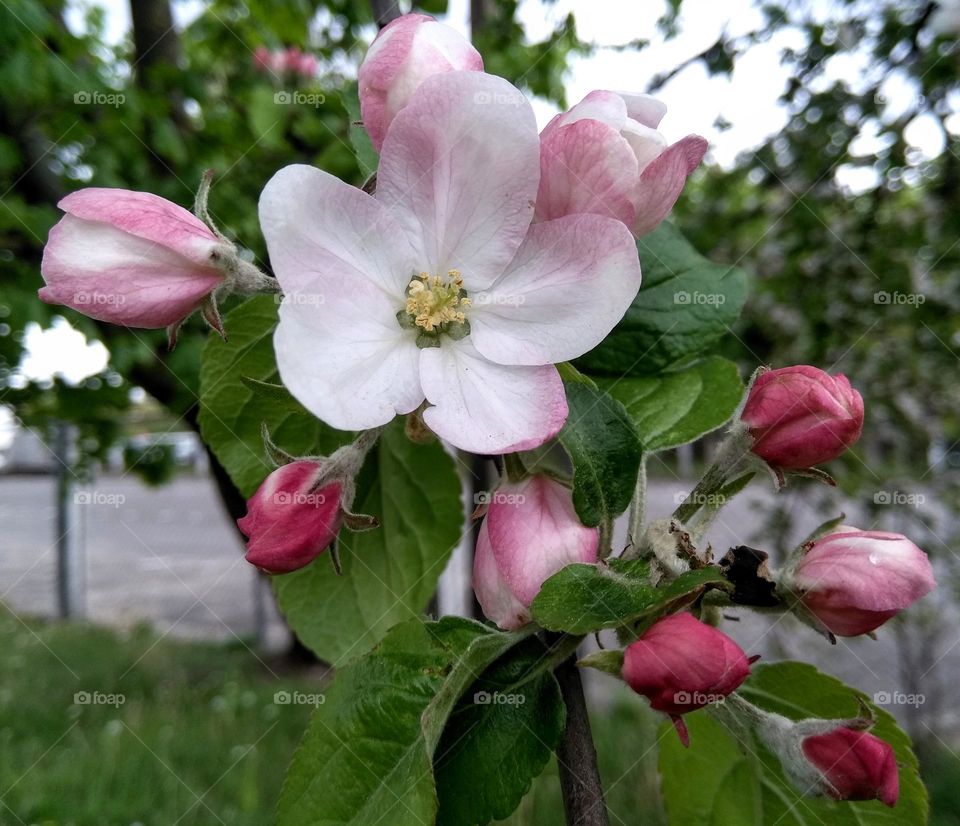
(130, 258)
(529, 533)
(800, 416)
(288, 523)
(681, 664)
(853, 581)
(606, 157)
(405, 53)
(855, 765)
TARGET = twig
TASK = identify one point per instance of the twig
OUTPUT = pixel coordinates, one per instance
(576, 756)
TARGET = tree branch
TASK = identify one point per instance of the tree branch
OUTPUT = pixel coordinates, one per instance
(577, 757)
(385, 11)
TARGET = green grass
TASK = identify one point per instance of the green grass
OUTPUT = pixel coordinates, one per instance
(198, 732)
(199, 739)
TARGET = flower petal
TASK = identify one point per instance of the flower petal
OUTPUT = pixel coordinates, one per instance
(571, 282)
(534, 532)
(147, 216)
(111, 275)
(349, 367)
(459, 172)
(661, 182)
(317, 226)
(600, 105)
(586, 167)
(644, 109)
(484, 407)
(494, 595)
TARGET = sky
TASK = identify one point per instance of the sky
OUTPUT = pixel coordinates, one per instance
(747, 101)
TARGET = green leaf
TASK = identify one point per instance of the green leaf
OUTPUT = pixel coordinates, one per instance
(367, 757)
(367, 157)
(231, 412)
(498, 739)
(678, 407)
(390, 573)
(580, 598)
(685, 304)
(744, 785)
(602, 443)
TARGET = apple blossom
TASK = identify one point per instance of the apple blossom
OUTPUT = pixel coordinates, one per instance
(136, 259)
(437, 288)
(681, 664)
(288, 523)
(853, 581)
(530, 532)
(801, 416)
(404, 54)
(854, 765)
(606, 157)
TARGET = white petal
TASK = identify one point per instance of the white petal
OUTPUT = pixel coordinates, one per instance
(484, 407)
(571, 282)
(317, 225)
(459, 171)
(350, 370)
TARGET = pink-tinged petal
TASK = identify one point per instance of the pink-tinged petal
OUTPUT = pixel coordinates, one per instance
(484, 407)
(662, 181)
(494, 595)
(571, 282)
(405, 53)
(111, 275)
(459, 171)
(318, 227)
(608, 108)
(647, 144)
(345, 358)
(644, 109)
(587, 167)
(534, 532)
(147, 216)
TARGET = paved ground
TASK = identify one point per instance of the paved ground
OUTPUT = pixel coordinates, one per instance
(170, 557)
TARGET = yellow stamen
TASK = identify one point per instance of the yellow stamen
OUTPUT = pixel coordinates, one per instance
(433, 300)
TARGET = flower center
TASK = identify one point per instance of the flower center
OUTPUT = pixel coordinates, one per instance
(435, 305)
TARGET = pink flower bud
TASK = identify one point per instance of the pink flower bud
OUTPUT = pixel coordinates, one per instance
(263, 59)
(855, 765)
(606, 157)
(681, 664)
(853, 581)
(800, 416)
(529, 533)
(288, 523)
(405, 53)
(130, 258)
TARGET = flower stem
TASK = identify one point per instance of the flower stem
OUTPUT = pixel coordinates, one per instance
(577, 757)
